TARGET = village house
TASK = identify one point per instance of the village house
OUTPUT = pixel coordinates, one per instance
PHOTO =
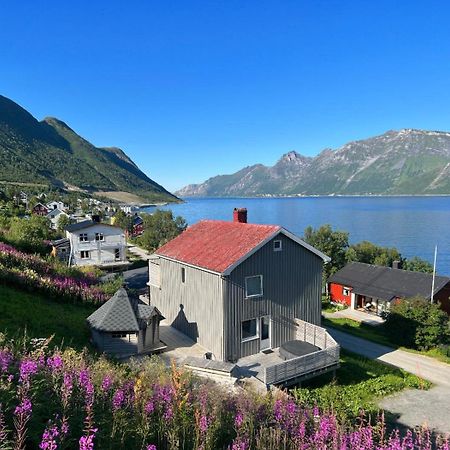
(56, 205)
(53, 216)
(124, 326)
(138, 226)
(39, 210)
(239, 289)
(95, 243)
(61, 249)
(372, 288)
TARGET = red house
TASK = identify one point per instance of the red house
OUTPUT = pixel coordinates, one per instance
(373, 288)
(138, 226)
(39, 210)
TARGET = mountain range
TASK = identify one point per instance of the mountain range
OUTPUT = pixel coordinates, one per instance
(50, 153)
(404, 162)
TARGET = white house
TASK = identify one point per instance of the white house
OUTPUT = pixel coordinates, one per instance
(56, 205)
(97, 244)
(54, 215)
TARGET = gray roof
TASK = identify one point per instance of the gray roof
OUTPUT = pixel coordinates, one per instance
(87, 224)
(387, 283)
(79, 225)
(60, 242)
(120, 313)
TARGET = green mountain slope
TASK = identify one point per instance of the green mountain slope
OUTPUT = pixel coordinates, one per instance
(398, 162)
(50, 152)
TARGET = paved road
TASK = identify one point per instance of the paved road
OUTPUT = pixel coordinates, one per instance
(423, 366)
(414, 407)
(136, 278)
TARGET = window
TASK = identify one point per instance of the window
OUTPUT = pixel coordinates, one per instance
(346, 291)
(117, 253)
(249, 329)
(119, 335)
(254, 286)
(183, 275)
(85, 254)
(83, 237)
(277, 246)
(154, 274)
(99, 237)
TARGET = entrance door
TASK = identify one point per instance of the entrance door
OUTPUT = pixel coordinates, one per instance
(264, 329)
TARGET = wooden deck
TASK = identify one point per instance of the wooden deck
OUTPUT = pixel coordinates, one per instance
(179, 346)
(272, 368)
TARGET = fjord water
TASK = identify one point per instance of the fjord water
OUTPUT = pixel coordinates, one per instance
(412, 224)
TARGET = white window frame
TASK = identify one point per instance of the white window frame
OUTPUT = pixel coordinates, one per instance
(85, 252)
(346, 291)
(262, 287)
(251, 338)
(280, 248)
(99, 237)
(83, 237)
(117, 254)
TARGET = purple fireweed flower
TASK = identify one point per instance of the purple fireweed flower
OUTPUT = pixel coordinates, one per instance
(27, 368)
(151, 447)
(24, 408)
(48, 441)
(238, 420)
(5, 360)
(168, 414)
(118, 399)
(87, 442)
(149, 407)
(55, 363)
(106, 383)
(85, 383)
(203, 424)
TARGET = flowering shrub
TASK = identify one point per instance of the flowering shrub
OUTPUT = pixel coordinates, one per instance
(51, 400)
(31, 272)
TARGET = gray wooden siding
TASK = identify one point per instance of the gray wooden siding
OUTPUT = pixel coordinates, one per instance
(292, 282)
(116, 346)
(194, 307)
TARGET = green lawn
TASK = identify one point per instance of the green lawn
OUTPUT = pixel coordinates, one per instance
(42, 317)
(359, 383)
(376, 334)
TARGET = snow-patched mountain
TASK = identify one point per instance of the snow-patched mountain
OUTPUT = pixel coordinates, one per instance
(408, 161)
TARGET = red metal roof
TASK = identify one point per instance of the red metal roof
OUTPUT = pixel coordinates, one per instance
(216, 245)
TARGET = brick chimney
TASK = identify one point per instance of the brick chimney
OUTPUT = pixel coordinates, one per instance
(240, 215)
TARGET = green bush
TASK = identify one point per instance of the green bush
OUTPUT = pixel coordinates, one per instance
(417, 323)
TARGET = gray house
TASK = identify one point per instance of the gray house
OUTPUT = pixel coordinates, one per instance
(124, 326)
(237, 288)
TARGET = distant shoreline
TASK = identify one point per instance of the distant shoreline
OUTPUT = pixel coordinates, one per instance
(315, 196)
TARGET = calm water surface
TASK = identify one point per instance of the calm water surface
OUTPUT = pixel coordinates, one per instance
(412, 224)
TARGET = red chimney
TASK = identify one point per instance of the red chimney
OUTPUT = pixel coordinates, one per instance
(240, 215)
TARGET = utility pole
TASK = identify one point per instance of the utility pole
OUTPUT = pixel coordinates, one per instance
(434, 274)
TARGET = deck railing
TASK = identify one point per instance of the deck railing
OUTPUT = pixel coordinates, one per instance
(301, 366)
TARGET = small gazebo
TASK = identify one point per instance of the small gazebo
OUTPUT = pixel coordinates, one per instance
(124, 326)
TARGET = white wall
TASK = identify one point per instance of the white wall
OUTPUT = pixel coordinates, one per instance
(100, 252)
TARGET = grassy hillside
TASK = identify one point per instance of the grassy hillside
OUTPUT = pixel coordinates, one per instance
(50, 152)
(41, 317)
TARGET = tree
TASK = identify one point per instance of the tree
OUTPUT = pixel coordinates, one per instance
(369, 253)
(417, 264)
(63, 222)
(333, 243)
(417, 323)
(29, 233)
(159, 228)
(123, 221)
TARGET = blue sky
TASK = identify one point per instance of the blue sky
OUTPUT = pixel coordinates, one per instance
(193, 89)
